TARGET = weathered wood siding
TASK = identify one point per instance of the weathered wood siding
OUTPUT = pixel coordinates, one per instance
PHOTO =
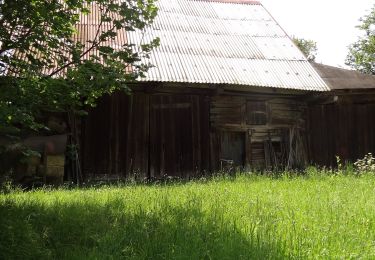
(345, 130)
(190, 133)
(115, 137)
(265, 121)
(178, 135)
(146, 135)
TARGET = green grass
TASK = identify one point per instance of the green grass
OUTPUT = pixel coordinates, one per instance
(248, 217)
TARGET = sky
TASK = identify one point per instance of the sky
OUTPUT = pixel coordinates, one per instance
(330, 23)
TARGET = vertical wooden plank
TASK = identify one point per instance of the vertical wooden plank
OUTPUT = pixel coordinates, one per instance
(146, 136)
(355, 131)
(213, 152)
(154, 134)
(196, 133)
(171, 144)
(117, 136)
(122, 134)
(364, 127)
(162, 126)
(243, 113)
(370, 119)
(138, 143)
(205, 132)
(247, 150)
(110, 135)
(128, 156)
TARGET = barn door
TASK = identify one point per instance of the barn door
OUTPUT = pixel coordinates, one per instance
(233, 149)
(171, 136)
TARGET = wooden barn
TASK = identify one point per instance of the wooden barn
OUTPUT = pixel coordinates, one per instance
(342, 121)
(229, 90)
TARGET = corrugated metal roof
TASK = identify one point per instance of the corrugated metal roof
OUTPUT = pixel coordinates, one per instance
(224, 43)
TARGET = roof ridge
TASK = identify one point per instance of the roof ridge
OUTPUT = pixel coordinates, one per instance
(248, 2)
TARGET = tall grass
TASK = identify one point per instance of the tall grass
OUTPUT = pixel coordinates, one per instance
(245, 217)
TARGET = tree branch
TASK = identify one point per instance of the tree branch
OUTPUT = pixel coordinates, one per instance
(94, 44)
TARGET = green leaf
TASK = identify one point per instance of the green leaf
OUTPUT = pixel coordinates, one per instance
(53, 71)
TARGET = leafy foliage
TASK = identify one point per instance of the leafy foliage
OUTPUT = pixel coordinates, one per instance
(308, 47)
(46, 65)
(362, 53)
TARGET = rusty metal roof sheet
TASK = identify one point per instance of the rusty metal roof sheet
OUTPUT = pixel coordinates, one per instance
(224, 42)
(87, 29)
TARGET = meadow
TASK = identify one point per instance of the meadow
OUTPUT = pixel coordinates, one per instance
(244, 217)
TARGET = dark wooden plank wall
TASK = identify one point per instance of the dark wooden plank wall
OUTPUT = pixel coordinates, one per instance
(178, 135)
(346, 130)
(182, 134)
(265, 121)
(115, 137)
(146, 135)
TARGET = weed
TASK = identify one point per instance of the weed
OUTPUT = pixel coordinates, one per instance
(365, 165)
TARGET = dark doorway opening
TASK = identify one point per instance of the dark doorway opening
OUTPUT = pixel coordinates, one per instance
(233, 148)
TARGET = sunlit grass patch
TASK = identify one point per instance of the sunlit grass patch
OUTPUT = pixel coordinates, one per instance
(223, 218)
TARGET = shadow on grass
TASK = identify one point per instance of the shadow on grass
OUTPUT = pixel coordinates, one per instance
(112, 231)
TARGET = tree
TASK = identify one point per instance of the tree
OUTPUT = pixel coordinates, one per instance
(308, 47)
(361, 54)
(46, 67)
